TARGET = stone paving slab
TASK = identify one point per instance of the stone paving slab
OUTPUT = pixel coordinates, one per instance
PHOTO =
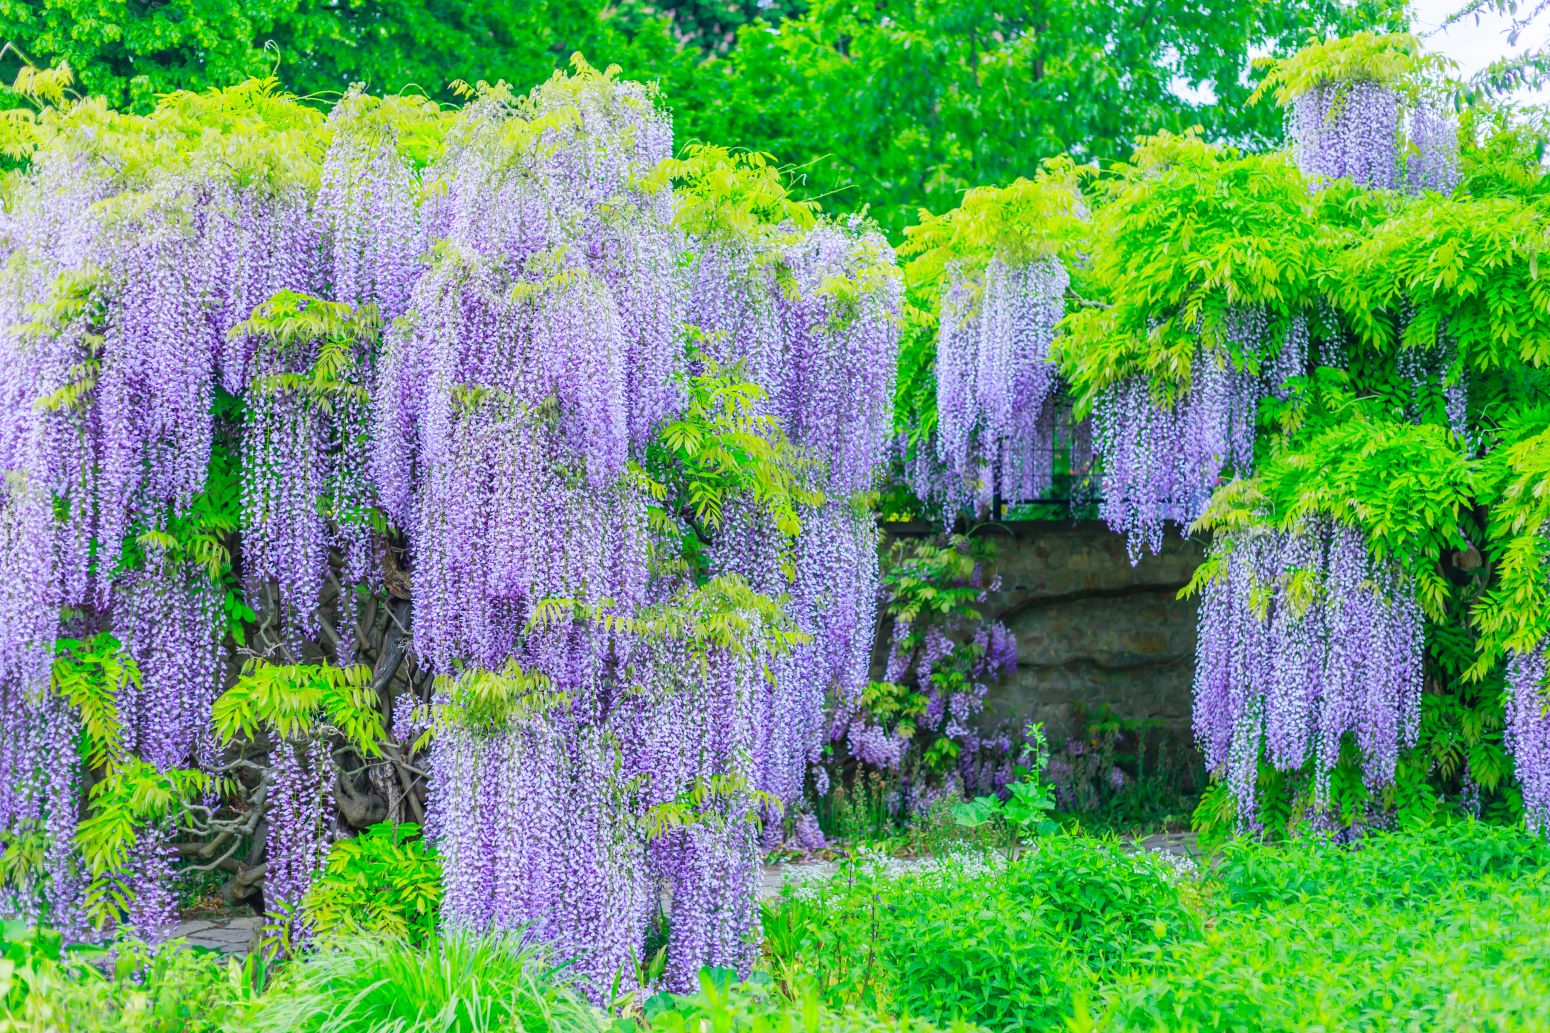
(235, 935)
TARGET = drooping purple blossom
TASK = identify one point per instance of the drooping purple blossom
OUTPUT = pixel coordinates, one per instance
(535, 362)
(1527, 734)
(152, 913)
(996, 381)
(301, 826)
(1433, 162)
(1348, 130)
(1305, 640)
(536, 277)
(1162, 460)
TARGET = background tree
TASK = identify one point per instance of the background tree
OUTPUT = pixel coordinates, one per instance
(131, 51)
(899, 105)
(895, 105)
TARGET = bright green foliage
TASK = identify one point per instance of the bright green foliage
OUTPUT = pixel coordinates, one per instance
(1468, 268)
(899, 105)
(930, 584)
(924, 580)
(709, 24)
(709, 801)
(126, 794)
(450, 985)
(1438, 930)
(1392, 58)
(1178, 236)
(130, 796)
(290, 320)
(297, 700)
(131, 52)
(733, 195)
(385, 881)
(90, 674)
(1029, 800)
(490, 701)
(722, 613)
(902, 105)
(1515, 612)
(721, 447)
(1406, 485)
(1005, 944)
(44, 986)
(1435, 929)
(1021, 221)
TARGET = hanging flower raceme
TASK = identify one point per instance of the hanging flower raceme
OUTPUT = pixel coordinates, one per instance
(834, 388)
(306, 478)
(808, 312)
(367, 207)
(1349, 101)
(169, 615)
(1527, 734)
(1305, 640)
(1162, 460)
(301, 825)
(1432, 163)
(996, 383)
(237, 349)
(1348, 130)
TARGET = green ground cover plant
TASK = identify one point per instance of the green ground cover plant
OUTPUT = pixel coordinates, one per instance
(1004, 944)
(1436, 929)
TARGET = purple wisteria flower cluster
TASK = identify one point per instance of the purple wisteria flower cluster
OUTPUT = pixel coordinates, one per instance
(1527, 734)
(997, 416)
(120, 289)
(1305, 639)
(1162, 459)
(535, 364)
(533, 284)
(1352, 130)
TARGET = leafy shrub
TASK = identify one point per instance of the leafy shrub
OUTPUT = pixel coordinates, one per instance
(1399, 869)
(1437, 930)
(751, 1008)
(385, 880)
(456, 984)
(1005, 944)
(44, 986)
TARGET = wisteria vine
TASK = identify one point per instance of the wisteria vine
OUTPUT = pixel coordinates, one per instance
(444, 357)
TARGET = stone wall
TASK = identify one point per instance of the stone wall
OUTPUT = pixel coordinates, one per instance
(1092, 630)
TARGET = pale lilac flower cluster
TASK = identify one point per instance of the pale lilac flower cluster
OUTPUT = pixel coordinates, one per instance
(996, 383)
(535, 362)
(109, 432)
(153, 911)
(1348, 130)
(301, 827)
(1527, 734)
(538, 285)
(1433, 162)
(1352, 130)
(920, 655)
(1162, 461)
(1305, 639)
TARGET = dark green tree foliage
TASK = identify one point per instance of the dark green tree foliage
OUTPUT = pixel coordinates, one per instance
(132, 50)
(899, 105)
(711, 25)
(892, 105)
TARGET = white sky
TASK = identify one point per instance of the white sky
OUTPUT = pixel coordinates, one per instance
(1474, 43)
